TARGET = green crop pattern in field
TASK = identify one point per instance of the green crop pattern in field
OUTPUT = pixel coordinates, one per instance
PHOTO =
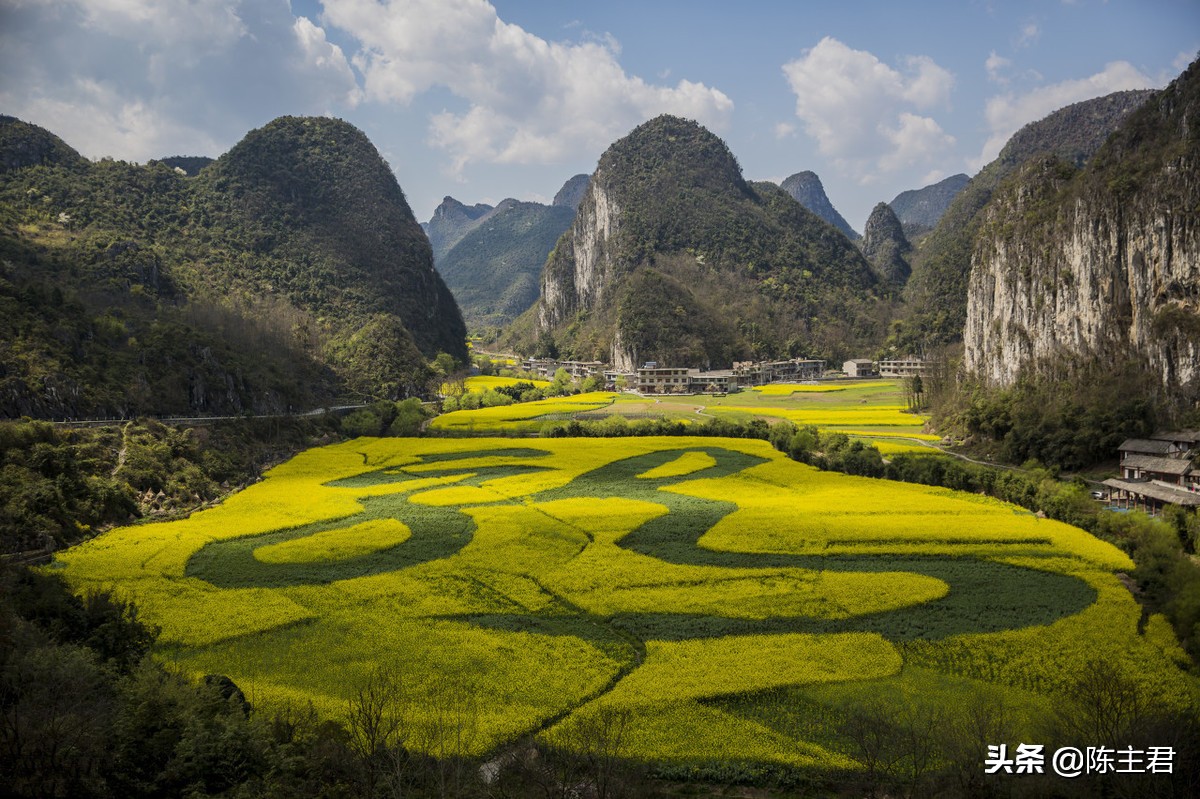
(727, 599)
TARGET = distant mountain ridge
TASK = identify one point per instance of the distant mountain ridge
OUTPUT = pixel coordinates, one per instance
(572, 192)
(806, 188)
(919, 210)
(190, 164)
(674, 257)
(493, 270)
(288, 272)
(451, 221)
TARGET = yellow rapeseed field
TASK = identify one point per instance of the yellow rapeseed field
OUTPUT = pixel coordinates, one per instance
(686, 582)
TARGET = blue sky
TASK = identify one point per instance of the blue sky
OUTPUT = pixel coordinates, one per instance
(484, 101)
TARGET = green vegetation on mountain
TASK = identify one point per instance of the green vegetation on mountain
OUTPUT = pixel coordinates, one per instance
(806, 188)
(289, 272)
(937, 290)
(670, 198)
(919, 210)
(493, 270)
(61, 485)
(451, 221)
(1096, 335)
(22, 145)
(886, 247)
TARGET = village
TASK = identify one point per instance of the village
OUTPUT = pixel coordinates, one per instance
(1154, 472)
(655, 378)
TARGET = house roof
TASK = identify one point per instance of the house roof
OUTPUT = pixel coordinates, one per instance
(1150, 463)
(1171, 494)
(1146, 446)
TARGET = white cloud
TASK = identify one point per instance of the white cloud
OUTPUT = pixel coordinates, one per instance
(995, 65)
(784, 130)
(325, 57)
(858, 109)
(1183, 60)
(115, 126)
(142, 79)
(1030, 33)
(529, 100)
(930, 85)
(1007, 113)
(189, 30)
(912, 142)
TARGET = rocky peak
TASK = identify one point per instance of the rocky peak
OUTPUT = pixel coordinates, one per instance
(885, 245)
(451, 211)
(450, 222)
(671, 248)
(920, 209)
(571, 193)
(807, 190)
(1099, 265)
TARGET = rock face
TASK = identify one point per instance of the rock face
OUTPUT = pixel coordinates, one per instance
(937, 289)
(805, 187)
(885, 245)
(920, 209)
(1101, 264)
(578, 281)
(571, 194)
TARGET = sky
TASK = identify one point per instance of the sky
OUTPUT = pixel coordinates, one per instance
(483, 101)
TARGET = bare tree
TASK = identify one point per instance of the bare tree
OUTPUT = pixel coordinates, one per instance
(1106, 706)
(377, 722)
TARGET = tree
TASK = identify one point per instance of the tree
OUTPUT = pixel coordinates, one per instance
(410, 415)
(378, 725)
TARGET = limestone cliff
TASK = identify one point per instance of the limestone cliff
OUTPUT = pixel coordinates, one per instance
(937, 289)
(577, 276)
(1100, 264)
(673, 256)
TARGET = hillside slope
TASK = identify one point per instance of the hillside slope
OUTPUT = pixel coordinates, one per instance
(674, 257)
(1096, 266)
(288, 272)
(937, 290)
(494, 269)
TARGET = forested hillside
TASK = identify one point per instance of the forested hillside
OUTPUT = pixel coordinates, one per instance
(673, 256)
(937, 291)
(288, 272)
(493, 269)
